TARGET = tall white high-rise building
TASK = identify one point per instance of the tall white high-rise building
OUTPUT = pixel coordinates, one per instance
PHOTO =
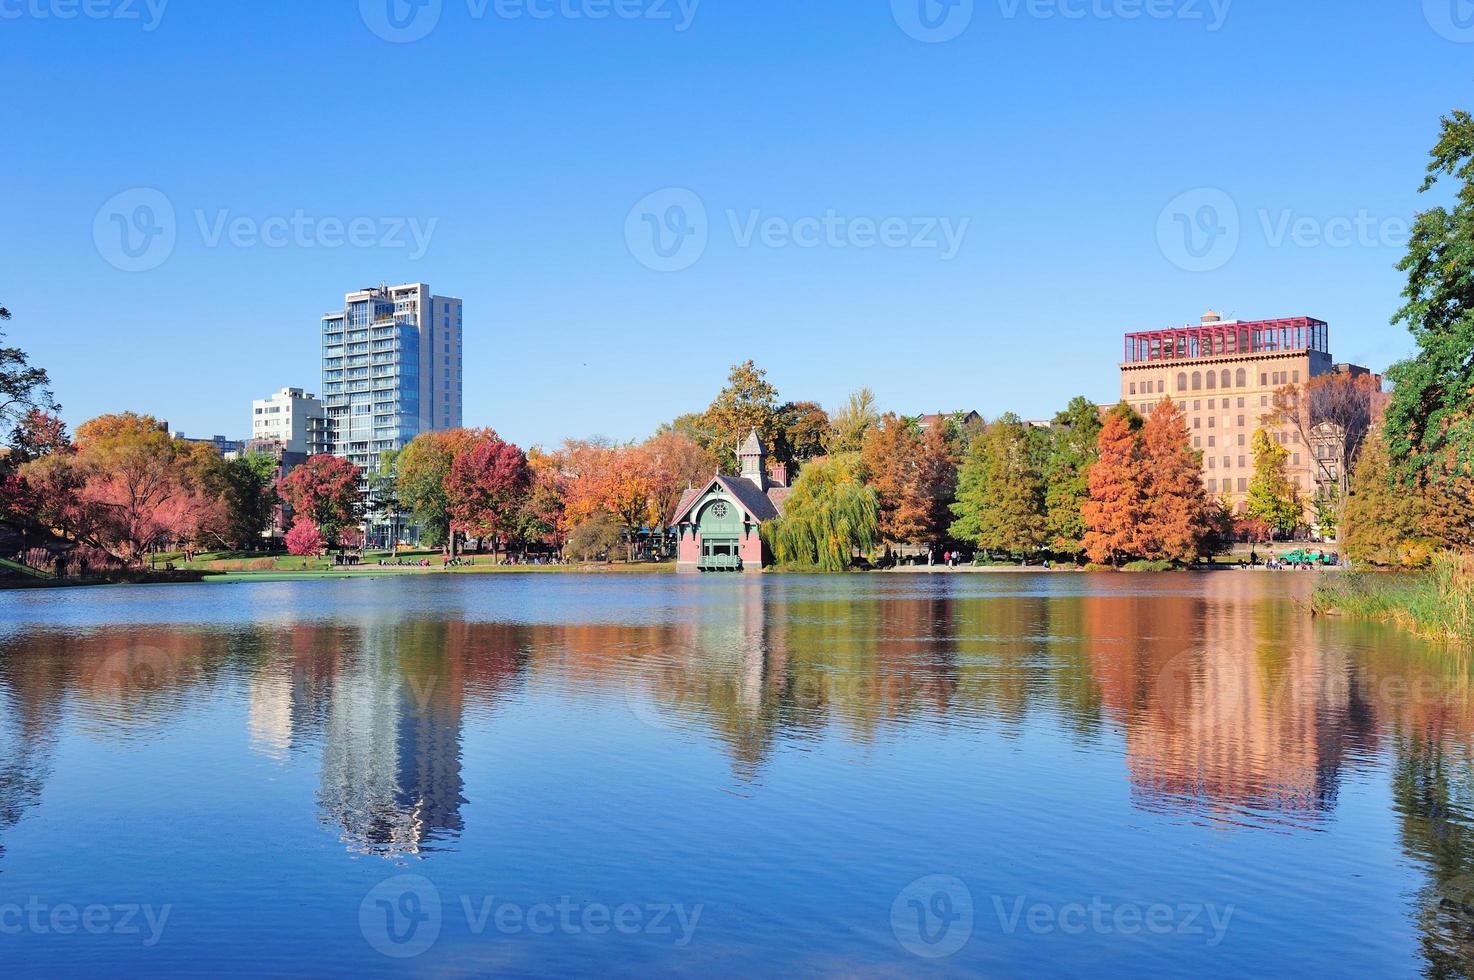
(391, 369)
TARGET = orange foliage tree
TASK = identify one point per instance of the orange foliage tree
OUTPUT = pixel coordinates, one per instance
(890, 457)
(1117, 501)
(1176, 519)
(676, 461)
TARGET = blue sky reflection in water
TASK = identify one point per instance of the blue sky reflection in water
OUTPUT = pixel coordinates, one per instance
(568, 775)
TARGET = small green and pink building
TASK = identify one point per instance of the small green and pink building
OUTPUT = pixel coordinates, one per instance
(717, 525)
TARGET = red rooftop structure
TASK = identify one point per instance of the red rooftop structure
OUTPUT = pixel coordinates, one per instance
(1216, 338)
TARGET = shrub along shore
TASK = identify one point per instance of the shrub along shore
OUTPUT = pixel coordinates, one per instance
(1437, 604)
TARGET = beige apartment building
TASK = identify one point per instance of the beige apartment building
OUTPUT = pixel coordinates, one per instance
(1224, 375)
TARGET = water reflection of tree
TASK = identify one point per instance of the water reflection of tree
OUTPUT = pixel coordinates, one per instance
(31, 697)
(1434, 795)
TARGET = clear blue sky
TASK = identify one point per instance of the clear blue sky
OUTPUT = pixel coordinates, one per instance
(1059, 134)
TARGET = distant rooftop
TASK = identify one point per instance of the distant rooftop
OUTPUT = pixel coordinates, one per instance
(1217, 337)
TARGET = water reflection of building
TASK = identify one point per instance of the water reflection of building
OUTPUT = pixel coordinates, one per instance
(1230, 707)
(391, 764)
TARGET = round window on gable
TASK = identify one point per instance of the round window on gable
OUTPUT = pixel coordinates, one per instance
(719, 509)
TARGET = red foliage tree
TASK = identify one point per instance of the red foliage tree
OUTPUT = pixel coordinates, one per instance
(485, 488)
(304, 538)
(37, 435)
(325, 491)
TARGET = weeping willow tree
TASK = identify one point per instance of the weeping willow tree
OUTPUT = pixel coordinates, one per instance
(829, 514)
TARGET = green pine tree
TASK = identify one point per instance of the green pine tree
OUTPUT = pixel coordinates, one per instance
(1072, 450)
(1000, 493)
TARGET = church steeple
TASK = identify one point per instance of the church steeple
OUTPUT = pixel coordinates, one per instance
(753, 457)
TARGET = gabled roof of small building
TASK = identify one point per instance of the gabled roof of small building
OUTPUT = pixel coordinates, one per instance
(759, 506)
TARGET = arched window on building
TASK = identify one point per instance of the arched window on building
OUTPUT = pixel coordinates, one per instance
(1182, 381)
(1242, 380)
(1212, 380)
(1197, 380)
(1227, 380)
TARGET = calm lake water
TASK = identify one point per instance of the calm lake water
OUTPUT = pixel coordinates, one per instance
(540, 775)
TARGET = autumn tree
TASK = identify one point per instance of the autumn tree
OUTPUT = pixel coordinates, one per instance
(1382, 520)
(423, 467)
(1113, 514)
(747, 402)
(22, 387)
(1000, 493)
(540, 518)
(801, 429)
(847, 427)
(1175, 518)
(936, 482)
(1429, 424)
(36, 435)
(583, 465)
(324, 490)
(890, 459)
(304, 539)
(1273, 496)
(128, 488)
(696, 426)
(1073, 439)
(485, 488)
(629, 492)
(675, 462)
(829, 515)
(1332, 414)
